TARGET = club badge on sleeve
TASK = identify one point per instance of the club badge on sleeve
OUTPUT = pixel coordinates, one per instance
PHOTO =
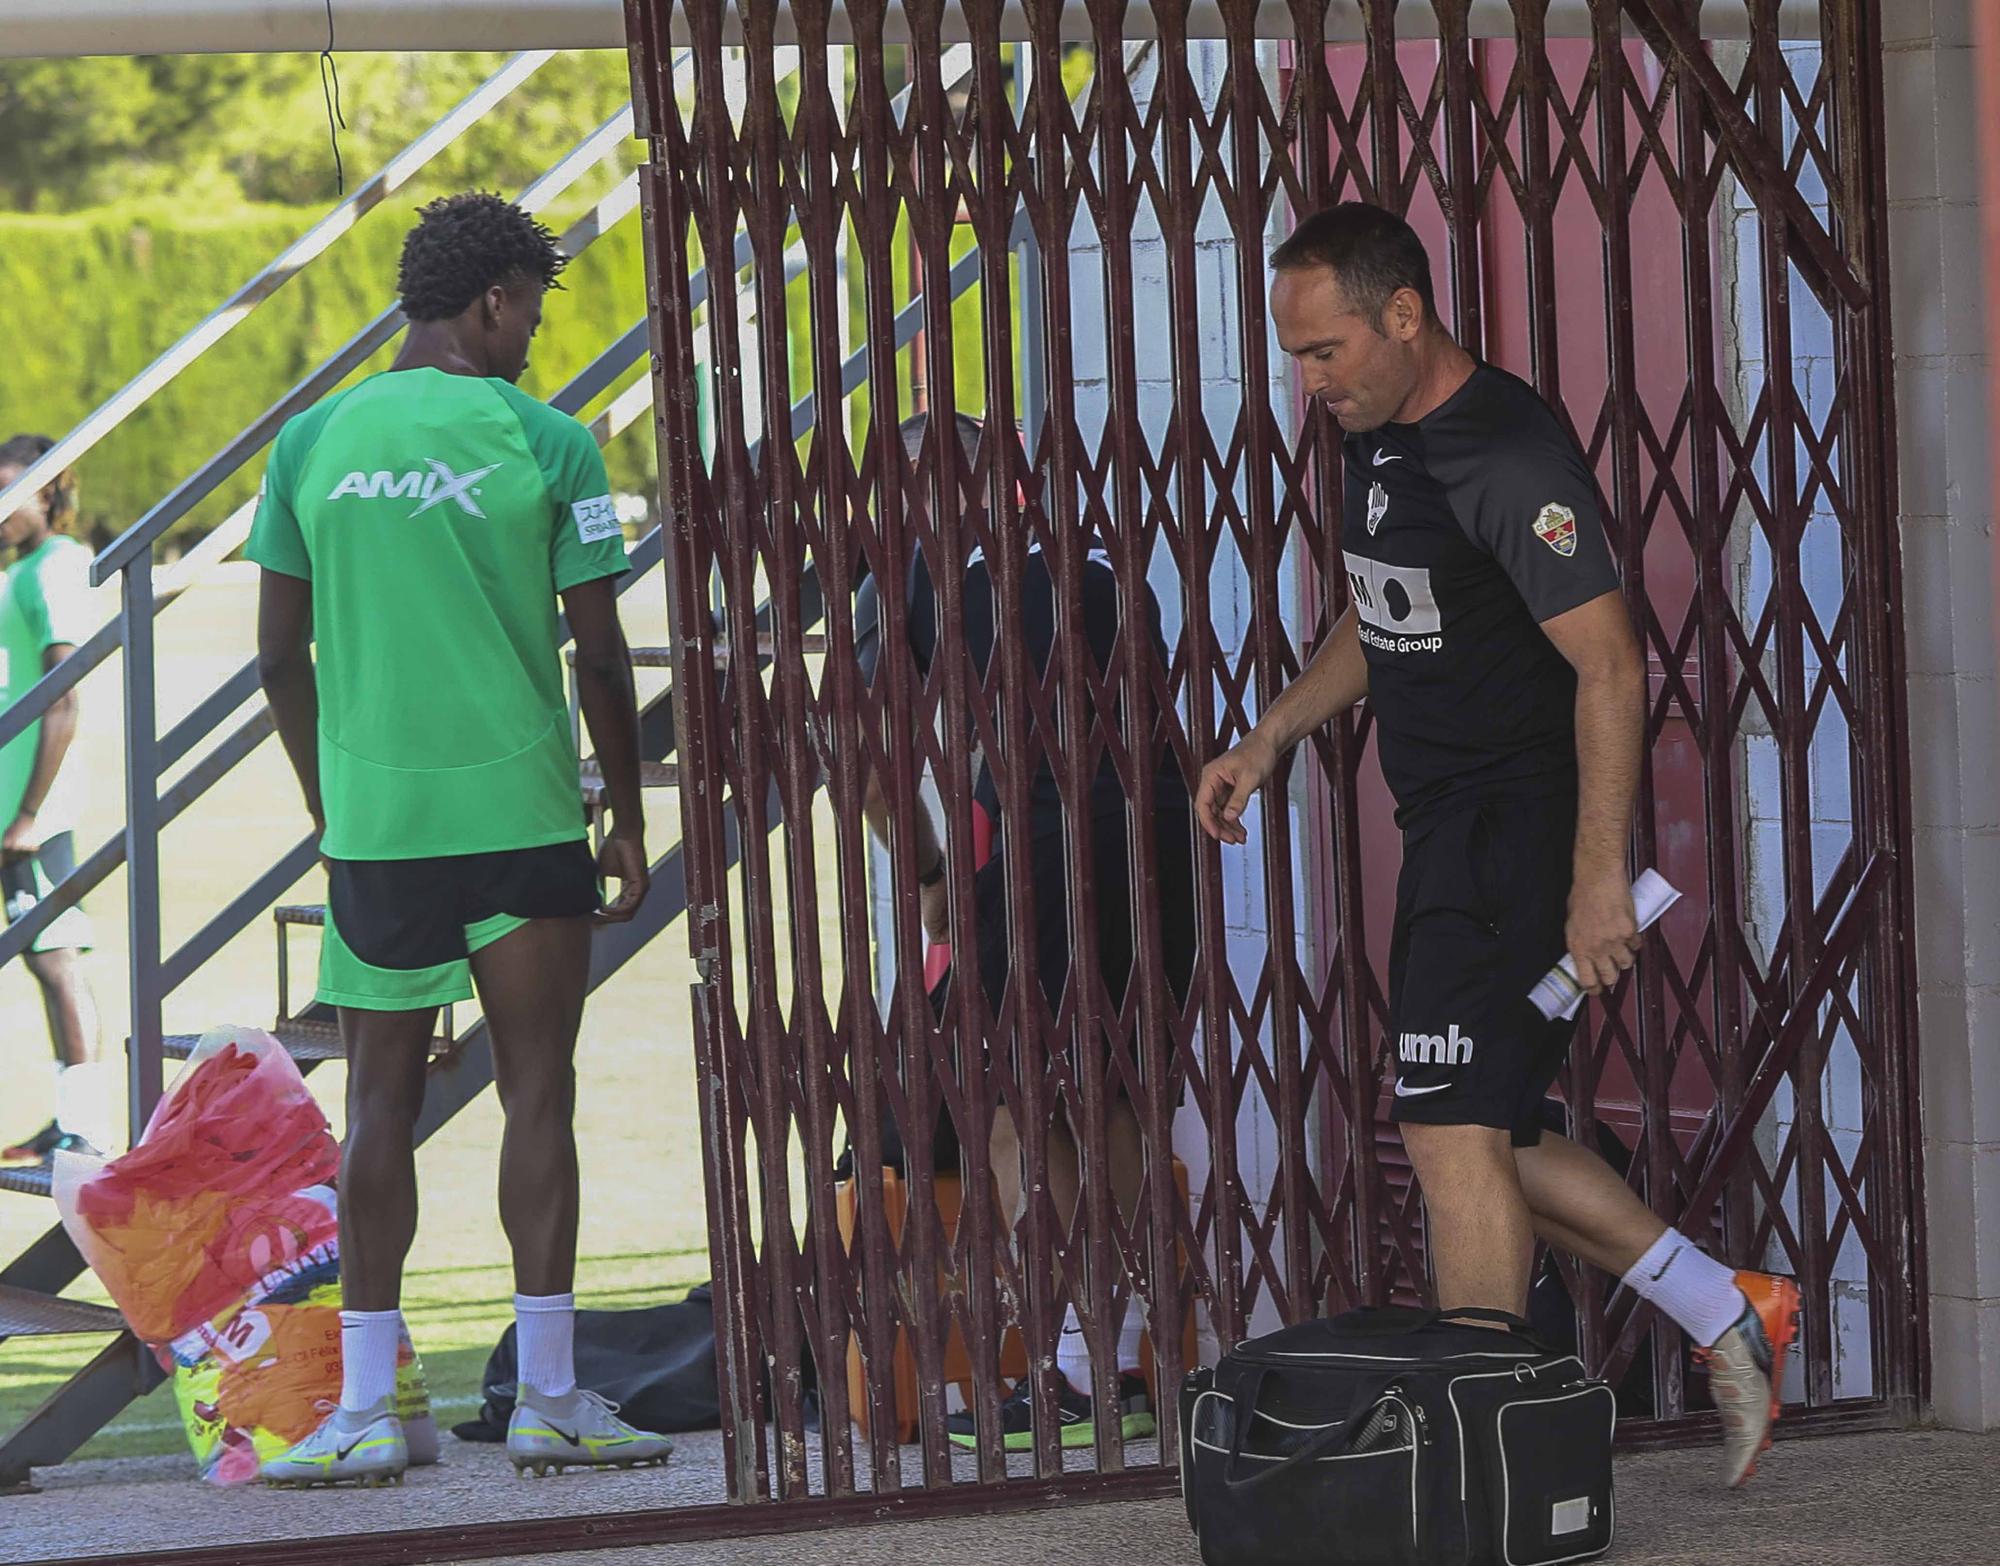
(1556, 527)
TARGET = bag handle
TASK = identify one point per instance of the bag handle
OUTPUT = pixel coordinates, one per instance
(1518, 1325)
(1334, 1435)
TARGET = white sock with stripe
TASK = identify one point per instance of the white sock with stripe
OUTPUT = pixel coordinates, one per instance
(1692, 1287)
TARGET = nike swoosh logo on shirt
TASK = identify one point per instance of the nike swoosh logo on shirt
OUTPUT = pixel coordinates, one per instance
(1387, 456)
(1410, 1092)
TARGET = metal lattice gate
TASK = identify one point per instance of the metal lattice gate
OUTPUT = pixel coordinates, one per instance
(1065, 229)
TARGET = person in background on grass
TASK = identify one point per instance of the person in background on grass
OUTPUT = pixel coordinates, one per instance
(418, 529)
(44, 615)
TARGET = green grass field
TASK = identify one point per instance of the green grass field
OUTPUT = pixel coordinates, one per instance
(644, 1234)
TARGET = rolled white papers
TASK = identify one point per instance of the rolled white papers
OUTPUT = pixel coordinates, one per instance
(1559, 994)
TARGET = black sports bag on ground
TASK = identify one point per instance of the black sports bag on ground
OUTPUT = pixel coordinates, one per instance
(1398, 1438)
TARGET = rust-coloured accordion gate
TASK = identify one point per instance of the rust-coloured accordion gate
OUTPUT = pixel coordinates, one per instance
(1680, 243)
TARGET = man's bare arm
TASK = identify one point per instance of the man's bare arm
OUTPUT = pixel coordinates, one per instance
(52, 743)
(1596, 638)
(1333, 682)
(610, 706)
(285, 668)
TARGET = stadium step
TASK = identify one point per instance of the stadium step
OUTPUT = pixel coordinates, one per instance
(24, 1313)
(652, 774)
(28, 1180)
(304, 1040)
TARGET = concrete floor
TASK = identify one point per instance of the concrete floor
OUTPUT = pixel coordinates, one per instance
(1920, 1499)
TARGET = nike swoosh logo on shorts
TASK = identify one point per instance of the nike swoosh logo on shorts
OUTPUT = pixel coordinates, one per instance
(1387, 456)
(1410, 1092)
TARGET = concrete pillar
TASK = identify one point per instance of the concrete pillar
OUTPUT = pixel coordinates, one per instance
(1946, 498)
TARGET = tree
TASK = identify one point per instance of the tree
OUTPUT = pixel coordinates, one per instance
(217, 128)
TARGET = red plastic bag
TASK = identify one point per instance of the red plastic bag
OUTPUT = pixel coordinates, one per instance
(226, 1188)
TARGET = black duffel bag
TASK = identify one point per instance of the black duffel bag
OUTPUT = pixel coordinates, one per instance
(656, 1363)
(1398, 1438)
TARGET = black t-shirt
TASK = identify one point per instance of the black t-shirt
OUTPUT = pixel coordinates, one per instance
(1462, 533)
(1037, 630)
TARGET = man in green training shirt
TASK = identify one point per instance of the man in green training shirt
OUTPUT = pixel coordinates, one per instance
(45, 614)
(417, 530)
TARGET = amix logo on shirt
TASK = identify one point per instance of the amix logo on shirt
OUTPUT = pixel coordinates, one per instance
(430, 489)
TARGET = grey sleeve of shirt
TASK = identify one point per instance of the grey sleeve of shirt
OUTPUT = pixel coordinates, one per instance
(1529, 501)
(867, 629)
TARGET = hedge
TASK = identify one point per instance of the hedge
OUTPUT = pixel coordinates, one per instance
(114, 286)
(94, 296)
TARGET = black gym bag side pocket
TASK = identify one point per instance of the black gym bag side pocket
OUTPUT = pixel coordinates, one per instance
(1279, 1494)
(1550, 1484)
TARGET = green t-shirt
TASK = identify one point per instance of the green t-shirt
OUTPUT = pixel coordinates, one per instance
(44, 603)
(437, 516)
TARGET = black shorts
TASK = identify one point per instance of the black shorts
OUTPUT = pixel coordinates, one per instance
(1480, 913)
(25, 882)
(1174, 908)
(400, 933)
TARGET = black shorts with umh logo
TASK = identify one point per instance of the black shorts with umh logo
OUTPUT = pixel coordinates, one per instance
(1480, 912)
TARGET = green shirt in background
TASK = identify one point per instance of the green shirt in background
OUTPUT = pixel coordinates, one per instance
(437, 517)
(44, 603)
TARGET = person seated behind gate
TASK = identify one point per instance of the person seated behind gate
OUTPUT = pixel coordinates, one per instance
(1173, 900)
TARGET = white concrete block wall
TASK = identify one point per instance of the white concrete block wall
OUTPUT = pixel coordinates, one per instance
(1943, 432)
(1829, 757)
(1221, 392)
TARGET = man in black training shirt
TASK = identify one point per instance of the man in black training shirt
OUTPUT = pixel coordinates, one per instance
(1110, 870)
(1489, 637)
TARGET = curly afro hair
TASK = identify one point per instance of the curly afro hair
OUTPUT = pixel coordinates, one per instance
(465, 244)
(25, 451)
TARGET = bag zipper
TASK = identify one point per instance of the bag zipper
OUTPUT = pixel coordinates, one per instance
(1420, 1438)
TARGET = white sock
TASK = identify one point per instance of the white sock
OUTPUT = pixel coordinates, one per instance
(1130, 1331)
(369, 1343)
(83, 1102)
(1690, 1286)
(545, 1342)
(1073, 1353)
